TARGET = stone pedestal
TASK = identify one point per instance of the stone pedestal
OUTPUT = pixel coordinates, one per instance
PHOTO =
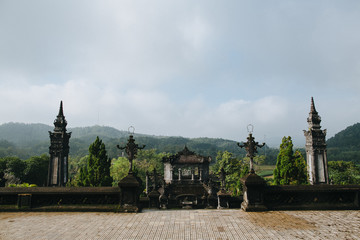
(154, 199)
(130, 193)
(254, 187)
(211, 201)
(223, 199)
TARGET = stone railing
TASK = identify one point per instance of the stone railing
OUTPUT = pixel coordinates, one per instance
(60, 198)
(319, 197)
(260, 197)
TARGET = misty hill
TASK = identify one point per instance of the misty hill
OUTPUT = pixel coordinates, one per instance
(345, 145)
(102, 132)
(25, 140)
(21, 133)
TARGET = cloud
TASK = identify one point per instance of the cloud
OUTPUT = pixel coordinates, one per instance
(187, 68)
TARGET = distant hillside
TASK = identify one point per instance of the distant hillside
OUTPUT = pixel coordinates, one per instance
(345, 145)
(100, 131)
(25, 140)
(348, 138)
(22, 134)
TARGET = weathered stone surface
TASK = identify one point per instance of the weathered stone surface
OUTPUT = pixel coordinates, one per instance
(59, 152)
(316, 156)
(253, 199)
(312, 197)
(130, 193)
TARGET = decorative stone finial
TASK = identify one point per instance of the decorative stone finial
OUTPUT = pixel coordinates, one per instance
(314, 119)
(251, 148)
(60, 122)
(131, 149)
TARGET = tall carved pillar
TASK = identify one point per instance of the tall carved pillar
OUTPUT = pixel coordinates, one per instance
(316, 156)
(59, 152)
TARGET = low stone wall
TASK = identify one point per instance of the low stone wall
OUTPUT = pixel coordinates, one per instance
(258, 196)
(312, 197)
(305, 197)
(60, 199)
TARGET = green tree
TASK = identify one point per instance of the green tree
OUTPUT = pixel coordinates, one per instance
(15, 166)
(97, 171)
(36, 170)
(290, 166)
(148, 160)
(341, 172)
(119, 169)
(234, 169)
(2, 172)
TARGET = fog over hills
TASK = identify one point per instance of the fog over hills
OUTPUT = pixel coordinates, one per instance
(33, 139)
(25, 140)
(22, 133)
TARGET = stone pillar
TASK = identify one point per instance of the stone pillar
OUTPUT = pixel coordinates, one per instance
(179, 174)
(192, 174)
(171, 174)
(200, 175)
(147, 183)
(316, 156)
(253, 199)
(154, 199)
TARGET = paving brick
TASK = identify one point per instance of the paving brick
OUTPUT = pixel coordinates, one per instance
(182, 224)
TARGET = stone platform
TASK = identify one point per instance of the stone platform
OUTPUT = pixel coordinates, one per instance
(182, 224)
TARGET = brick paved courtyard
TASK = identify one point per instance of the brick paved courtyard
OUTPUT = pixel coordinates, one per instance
(182, 224)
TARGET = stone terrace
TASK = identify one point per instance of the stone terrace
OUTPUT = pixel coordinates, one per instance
(181, 224)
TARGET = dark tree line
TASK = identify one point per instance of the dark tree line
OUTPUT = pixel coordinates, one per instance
(34, 170)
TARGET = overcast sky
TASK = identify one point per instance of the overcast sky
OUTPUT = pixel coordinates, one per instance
(182, 68)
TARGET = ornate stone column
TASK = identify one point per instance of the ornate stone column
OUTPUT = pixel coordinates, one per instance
(254, 185)
(130, 185)
(251, 147)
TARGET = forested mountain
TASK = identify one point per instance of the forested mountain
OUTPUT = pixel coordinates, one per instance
(345, 145)
(348, 138)
(22, 134)
(26, 140)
